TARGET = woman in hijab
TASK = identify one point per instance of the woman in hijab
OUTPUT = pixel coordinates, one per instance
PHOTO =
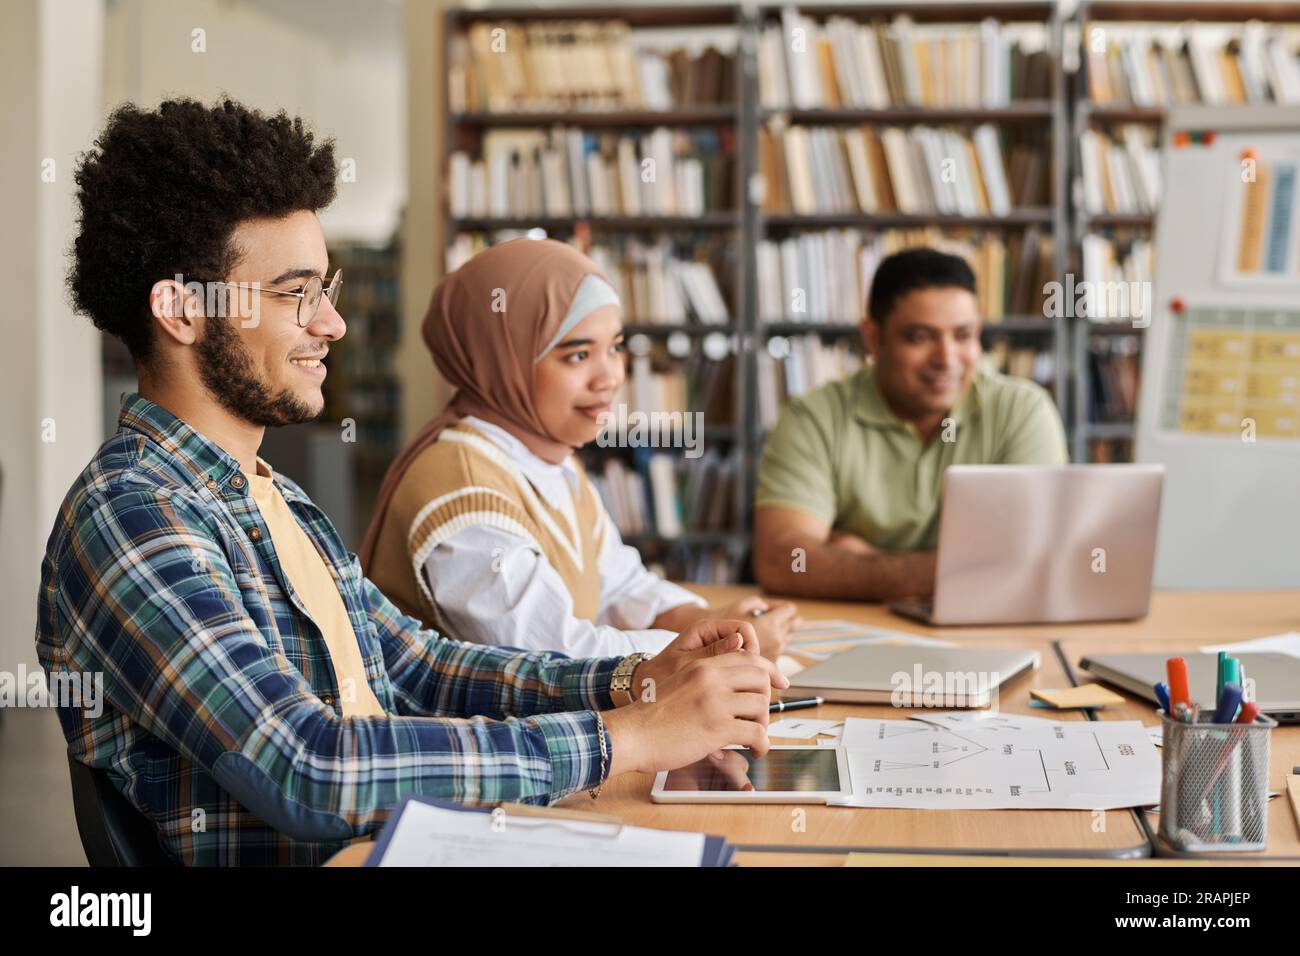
(486, 525)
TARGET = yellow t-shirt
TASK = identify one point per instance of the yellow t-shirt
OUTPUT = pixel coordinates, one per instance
(311, 578)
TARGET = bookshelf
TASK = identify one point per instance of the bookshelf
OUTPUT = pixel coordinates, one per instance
(1105, 356)
(640, 245)
(1026, 236)
(362, 385)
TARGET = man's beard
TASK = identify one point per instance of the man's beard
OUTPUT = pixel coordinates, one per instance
(227, 372)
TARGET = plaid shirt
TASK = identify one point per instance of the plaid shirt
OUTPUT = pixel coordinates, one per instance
(221, 719)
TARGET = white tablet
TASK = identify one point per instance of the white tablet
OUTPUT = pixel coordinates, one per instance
(788, 774)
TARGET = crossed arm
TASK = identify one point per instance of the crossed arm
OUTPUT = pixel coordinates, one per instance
(799, 554)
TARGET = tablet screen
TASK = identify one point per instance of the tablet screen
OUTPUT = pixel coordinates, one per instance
(815, 769)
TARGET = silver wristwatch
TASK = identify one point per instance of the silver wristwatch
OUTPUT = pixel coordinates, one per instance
(622, 678)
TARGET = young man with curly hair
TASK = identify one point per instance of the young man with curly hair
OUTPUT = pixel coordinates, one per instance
(264, 702)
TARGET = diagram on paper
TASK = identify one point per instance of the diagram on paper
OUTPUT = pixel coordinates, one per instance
(991, 765)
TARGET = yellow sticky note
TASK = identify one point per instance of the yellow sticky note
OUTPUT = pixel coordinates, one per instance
(1089, 695)
(1293, 790)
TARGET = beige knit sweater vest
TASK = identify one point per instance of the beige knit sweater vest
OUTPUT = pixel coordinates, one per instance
(464, 480)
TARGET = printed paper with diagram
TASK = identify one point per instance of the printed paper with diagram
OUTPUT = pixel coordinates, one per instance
(988, 765)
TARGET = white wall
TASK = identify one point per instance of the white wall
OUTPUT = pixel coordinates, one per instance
(49, 366)
(338, 64)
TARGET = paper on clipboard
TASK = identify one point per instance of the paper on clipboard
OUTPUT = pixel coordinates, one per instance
(426, 832)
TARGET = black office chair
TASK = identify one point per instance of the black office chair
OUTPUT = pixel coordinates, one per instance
(113, 833)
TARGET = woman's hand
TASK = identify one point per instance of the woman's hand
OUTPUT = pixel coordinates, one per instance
(774, 626)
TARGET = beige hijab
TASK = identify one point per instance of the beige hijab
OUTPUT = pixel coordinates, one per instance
(486, 326)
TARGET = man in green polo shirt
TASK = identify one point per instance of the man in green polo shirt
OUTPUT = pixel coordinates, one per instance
(848, 494)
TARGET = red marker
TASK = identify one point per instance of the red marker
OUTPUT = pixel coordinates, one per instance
(1249, 711)
(1179, 692)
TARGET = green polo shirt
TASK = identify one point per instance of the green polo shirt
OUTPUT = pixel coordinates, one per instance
(840, 454)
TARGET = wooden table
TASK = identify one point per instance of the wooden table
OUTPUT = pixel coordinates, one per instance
(356, 854)
(1188, 619)
(768, 835)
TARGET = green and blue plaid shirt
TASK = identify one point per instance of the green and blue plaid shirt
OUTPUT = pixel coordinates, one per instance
(221, 719)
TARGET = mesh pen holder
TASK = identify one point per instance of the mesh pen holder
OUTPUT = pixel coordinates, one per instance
(1214, 785)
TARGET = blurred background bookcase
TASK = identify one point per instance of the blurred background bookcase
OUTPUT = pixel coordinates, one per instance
(739, 364)
(795, 174)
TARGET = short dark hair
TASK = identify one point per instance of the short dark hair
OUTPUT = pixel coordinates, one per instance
(913, 269)
(162, 190)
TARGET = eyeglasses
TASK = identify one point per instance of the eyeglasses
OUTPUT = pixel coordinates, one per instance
(308, 297)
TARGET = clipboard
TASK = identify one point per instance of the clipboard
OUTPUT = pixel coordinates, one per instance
(716, 850)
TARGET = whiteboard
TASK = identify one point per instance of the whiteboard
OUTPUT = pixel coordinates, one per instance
(1220, 398)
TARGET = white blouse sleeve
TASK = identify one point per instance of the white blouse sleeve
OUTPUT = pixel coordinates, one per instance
(493, 587)
(631, 595)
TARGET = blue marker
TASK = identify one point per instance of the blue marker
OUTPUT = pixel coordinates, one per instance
(1232, 675)
(1162, 697)
(1226, 712)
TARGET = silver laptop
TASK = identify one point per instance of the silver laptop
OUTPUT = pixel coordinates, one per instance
(911, 676)
(1276, 677)
(1037, 544)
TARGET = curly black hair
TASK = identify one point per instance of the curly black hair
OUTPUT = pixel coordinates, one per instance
(162, 190)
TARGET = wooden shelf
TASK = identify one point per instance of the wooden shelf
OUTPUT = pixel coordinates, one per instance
(710, 220)
(672, 328)
(1121, 112)
(1221, 10)
(658, 16)
(1011, 325)
(1135, 220)
(925, 12)
(1022, 111)
(1017, 217)
(691, 116)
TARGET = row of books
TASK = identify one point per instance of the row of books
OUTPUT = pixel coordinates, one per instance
(1120, 170)
(1118, 258)
(1114, 374)
(806, 65)
(656, 286)
(920, 169)
(1034, 362)
(795, 365)
(665, 494)
(656, 282)
(1109, 260)
(574, 172)
(657, 383)
(825, 276)
(1163, 64)
(580, 65)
